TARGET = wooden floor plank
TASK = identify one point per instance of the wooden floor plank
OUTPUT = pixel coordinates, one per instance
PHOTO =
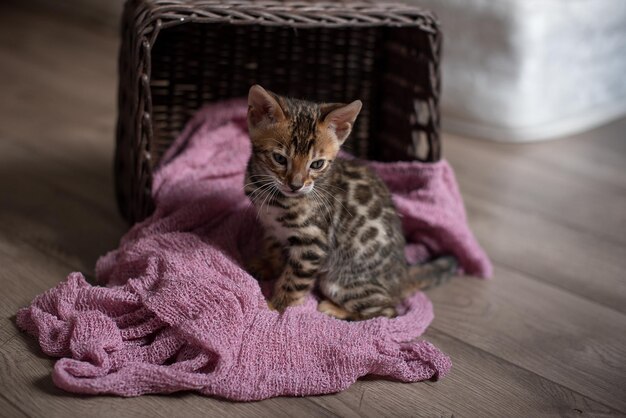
(10, 410)
(598, 155)
(478, 385)
(581, 263)
(501, 173)
(562, 337)
(61, 236)
(518, 199)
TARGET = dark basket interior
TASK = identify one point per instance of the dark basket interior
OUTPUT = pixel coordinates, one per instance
(169, 70)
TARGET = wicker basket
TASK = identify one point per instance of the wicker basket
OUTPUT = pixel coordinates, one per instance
(177, 55)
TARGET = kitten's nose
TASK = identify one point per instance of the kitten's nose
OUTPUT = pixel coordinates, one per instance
(295, 186)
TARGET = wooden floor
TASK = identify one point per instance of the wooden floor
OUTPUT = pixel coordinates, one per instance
(547, 336)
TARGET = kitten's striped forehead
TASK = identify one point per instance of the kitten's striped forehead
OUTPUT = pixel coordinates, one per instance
(303, 120)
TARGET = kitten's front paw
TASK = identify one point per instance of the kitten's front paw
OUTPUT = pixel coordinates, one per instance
(277, 304)
(330, 309)
(280, 304)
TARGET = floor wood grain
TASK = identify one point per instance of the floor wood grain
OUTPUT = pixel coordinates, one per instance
(546, 337)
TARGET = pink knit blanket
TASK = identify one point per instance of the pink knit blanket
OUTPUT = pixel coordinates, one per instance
(178, 312)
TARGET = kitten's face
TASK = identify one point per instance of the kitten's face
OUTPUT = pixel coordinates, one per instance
(295, 142)
(295, 156)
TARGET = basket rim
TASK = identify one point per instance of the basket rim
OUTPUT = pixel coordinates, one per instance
(289, 13)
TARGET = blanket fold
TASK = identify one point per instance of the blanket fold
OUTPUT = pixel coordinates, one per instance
(178, 311)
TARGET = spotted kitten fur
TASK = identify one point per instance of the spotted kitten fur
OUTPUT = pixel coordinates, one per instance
(328, 221)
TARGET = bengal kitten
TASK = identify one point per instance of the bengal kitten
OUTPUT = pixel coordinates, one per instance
(327, 221)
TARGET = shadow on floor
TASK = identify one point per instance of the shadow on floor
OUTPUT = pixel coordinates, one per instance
(68, 213)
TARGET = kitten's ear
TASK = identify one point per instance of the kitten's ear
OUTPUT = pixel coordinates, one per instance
(341, 119)
(263, 107)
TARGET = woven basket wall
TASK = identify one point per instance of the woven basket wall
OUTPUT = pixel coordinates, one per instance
(177, 55)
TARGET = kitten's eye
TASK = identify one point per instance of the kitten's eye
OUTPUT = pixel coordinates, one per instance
(317, 164)
(280, 159)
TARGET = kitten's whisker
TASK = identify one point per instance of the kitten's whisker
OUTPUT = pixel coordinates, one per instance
(315, 198)
(259, 178)
(256, 182)
(256, 200)
(269, 192)
(334, 187)
(272, 197)
(334, 197)
(267, 195)
(260, 191)
(261, 175)
(262, 187)
(263, 182)
(269, 201)
(325, 205)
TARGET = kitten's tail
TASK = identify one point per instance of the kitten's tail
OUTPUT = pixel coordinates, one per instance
(431, 274)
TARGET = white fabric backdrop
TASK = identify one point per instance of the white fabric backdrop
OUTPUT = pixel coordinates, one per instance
(518, 70)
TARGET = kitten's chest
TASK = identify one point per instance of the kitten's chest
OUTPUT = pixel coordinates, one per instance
(273, 224)
(298, 220)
